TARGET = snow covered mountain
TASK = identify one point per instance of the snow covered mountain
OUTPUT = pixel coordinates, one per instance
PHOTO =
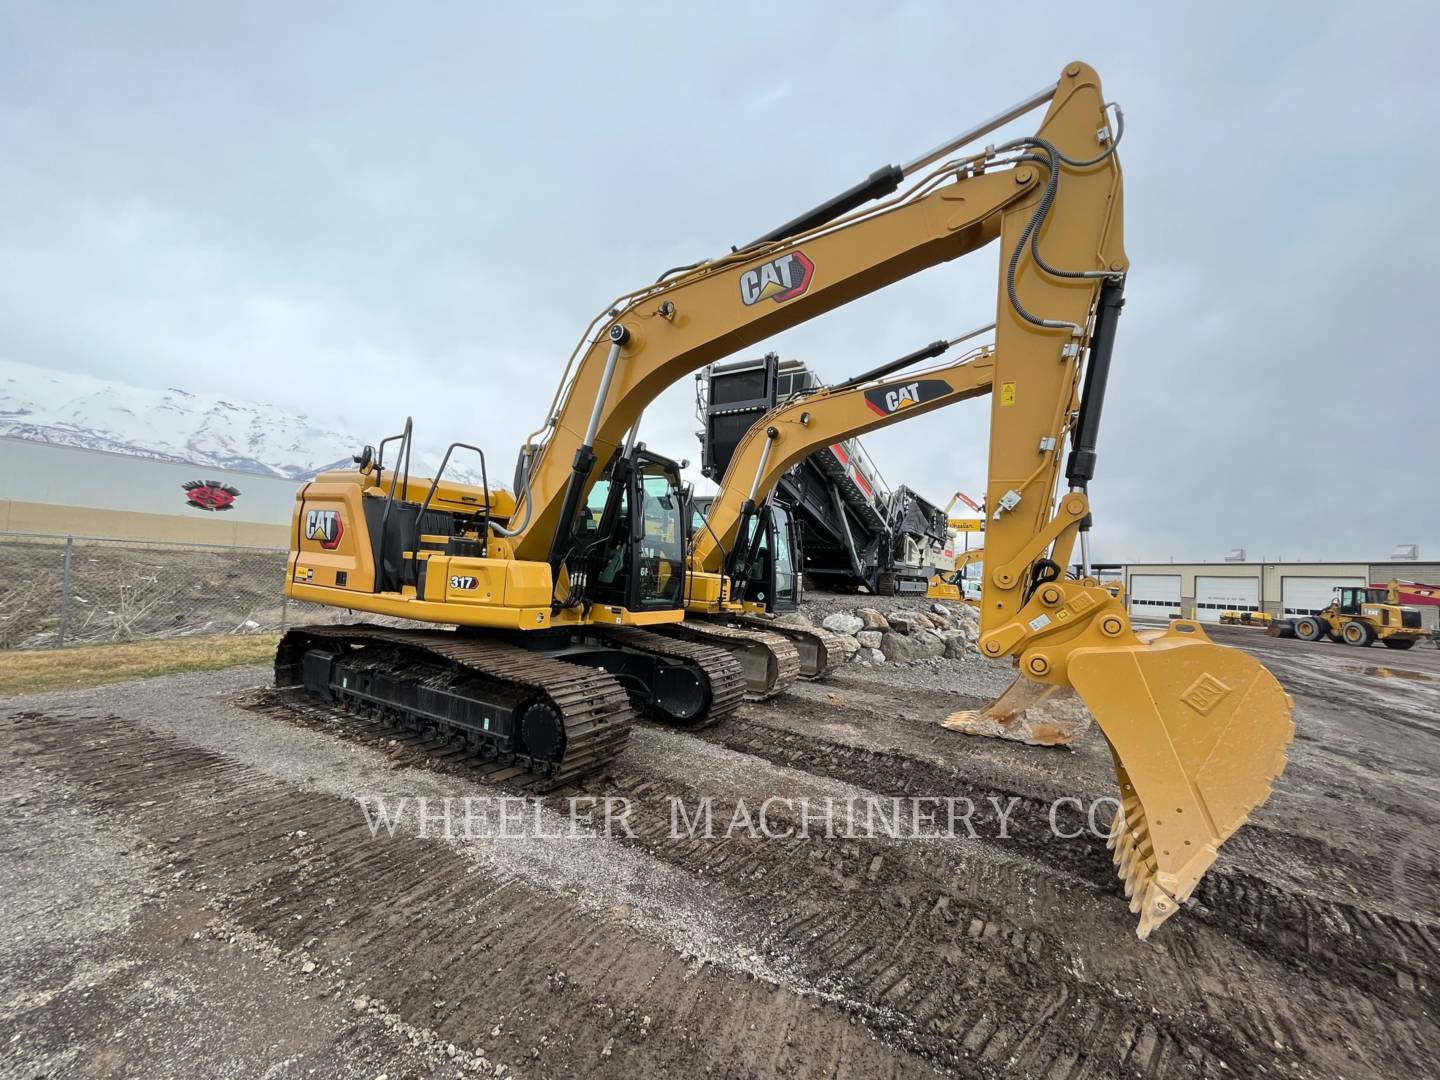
(176, 425)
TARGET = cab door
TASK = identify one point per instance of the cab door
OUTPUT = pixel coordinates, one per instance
(783, 532)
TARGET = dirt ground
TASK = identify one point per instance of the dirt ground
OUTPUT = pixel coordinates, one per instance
(121, 591)
(191, 887)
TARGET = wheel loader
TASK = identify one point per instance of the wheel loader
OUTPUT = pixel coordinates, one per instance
(1361, 617)
(950, 583)
(544, 604)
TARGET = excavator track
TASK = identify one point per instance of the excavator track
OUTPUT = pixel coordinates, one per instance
(820, 652)
(585, 713)
(722, 673)
(770, 661)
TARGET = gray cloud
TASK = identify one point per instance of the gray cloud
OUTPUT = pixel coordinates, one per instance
(360, 210)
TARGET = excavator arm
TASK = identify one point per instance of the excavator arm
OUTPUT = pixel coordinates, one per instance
(1198, 732)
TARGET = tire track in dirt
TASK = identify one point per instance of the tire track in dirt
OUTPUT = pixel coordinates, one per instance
(445, 944)
(1294, 917)
(949, 959)
(898, 948)
(953, 954)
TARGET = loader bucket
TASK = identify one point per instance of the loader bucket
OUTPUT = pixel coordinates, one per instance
(1198, 733)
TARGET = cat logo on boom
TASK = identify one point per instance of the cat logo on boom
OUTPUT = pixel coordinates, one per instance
(887, 400)
(325, 526)
(779, 279)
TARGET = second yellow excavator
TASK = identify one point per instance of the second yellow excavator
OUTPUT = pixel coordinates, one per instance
(732, 558)
(554, 592)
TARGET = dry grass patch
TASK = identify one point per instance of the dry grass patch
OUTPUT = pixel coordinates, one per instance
(91, 665)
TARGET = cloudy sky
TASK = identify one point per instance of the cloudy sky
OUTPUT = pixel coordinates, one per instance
(361, 210)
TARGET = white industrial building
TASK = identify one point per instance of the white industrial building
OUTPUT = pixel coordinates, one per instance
(54, 489)
(1201, 591)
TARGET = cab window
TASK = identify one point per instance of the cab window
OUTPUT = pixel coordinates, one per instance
(662, 542)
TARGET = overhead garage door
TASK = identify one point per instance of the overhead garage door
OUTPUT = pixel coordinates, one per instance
(1307, 595)
(1155, 595)
(1216, 594)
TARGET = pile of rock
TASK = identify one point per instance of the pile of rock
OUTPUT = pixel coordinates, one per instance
(906, 634)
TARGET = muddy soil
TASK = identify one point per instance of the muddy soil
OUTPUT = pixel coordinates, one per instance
(193, 887)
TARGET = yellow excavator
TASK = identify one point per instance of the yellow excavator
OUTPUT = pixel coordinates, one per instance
(732, 567)
(553, 592)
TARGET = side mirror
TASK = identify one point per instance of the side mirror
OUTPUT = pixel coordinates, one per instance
(687, 508)
(365, 459)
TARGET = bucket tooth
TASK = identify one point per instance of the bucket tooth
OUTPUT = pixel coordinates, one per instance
(1137, 888)
(1159, 906)
(1135, 873)
(1127, 866)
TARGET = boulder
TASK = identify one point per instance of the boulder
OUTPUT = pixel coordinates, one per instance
(875, 656)
(1056, 720)
(873, 619)
(956, 644)
(901, 622)
(847, 646)
(843, 623)
(924, 618)
(794, 618)
(869, 639)
(919, 645)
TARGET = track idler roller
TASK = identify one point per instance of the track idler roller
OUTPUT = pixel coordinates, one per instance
(542, 732)
(679, 695)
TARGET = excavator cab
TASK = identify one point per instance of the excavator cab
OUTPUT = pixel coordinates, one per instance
(634, 529)
(768, 577)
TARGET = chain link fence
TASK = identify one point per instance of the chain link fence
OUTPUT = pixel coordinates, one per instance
(83, 590)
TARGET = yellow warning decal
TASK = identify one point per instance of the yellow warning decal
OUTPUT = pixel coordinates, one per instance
(1007, 393)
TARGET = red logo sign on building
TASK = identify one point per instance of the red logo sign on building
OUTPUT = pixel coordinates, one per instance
(210, 495)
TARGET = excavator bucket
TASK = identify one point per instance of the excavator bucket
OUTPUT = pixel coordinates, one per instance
(1198, 733)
